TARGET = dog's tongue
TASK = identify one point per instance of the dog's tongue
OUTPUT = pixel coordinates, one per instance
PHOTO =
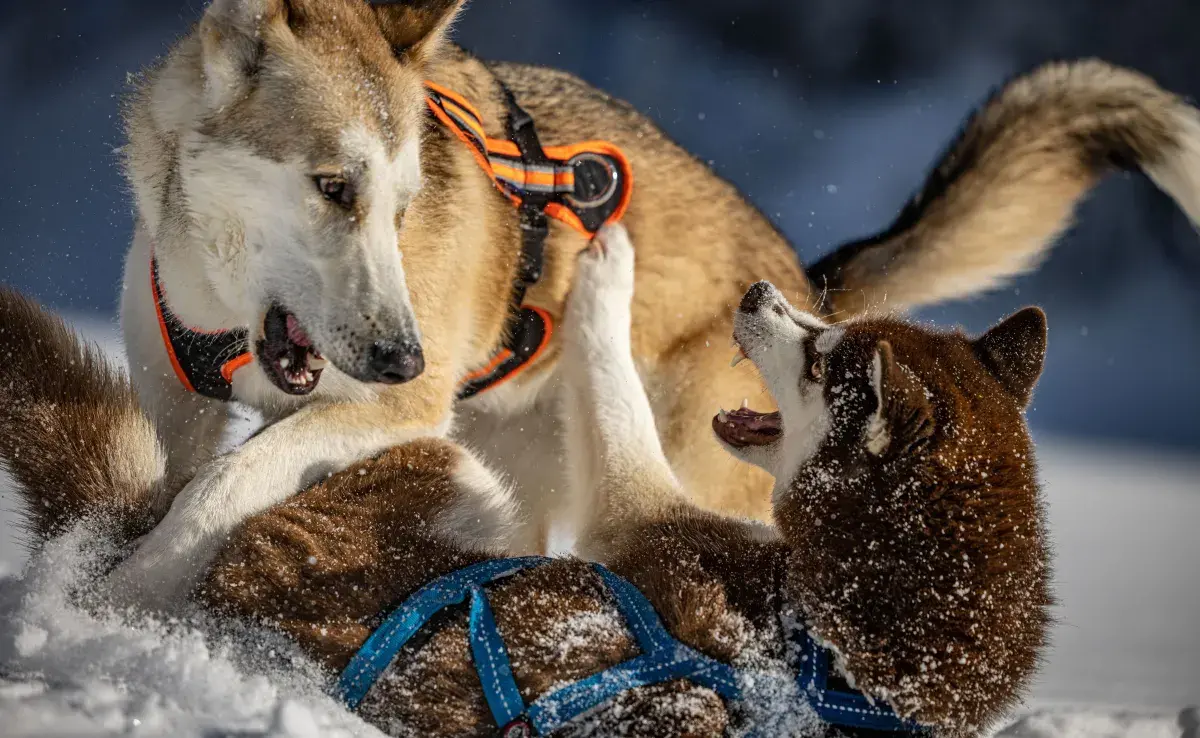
(745, 427)
(296, 334)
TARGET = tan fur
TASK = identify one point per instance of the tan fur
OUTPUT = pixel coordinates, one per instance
(1006, 188)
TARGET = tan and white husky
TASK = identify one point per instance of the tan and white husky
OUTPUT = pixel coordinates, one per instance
(290, 185)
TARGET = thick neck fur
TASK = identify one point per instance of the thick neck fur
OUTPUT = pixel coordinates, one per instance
(923, 564)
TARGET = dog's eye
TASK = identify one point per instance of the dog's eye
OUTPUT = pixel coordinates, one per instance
(816, 368)
(336, 190)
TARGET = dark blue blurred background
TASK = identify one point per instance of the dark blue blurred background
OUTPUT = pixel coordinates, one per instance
(825, 112)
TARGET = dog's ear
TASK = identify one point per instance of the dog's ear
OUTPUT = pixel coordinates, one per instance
(903, 416)
(416, 29)
(231, 34)
(1014, 352)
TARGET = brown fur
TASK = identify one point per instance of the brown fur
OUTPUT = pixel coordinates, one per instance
(892, 558)
(73, 430)
(926, 565)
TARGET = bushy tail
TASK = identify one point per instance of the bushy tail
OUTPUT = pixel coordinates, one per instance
(71, 431)
(1008, 185)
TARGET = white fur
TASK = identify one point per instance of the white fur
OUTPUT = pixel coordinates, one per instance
(598, 350)
(524, 437)
(774, 338)
(829, 339)
(1178, 172)
(876, 434)
(483, 516)
(616, 463)
(269, 468)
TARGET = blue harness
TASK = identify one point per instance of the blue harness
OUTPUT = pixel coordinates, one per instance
(662, 659)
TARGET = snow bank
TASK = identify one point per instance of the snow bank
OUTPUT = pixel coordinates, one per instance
(71, 670)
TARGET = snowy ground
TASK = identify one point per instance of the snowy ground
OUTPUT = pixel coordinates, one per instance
(1125, 661)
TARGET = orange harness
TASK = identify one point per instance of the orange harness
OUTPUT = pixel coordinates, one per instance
(584, 185)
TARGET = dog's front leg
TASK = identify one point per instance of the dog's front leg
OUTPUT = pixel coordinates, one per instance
(614, 455)
(284, 458)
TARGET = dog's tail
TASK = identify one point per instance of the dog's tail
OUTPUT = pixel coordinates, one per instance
(1008, 185)
(71, 431)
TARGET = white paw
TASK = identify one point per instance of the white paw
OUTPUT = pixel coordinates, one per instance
(607, 262)
(603, 285)
(170, 560)
(167, 564)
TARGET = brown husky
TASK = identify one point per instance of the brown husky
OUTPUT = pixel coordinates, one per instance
(295, 194)
(909, 542)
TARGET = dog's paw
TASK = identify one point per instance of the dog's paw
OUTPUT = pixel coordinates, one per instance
(606, 265)
(598, 307)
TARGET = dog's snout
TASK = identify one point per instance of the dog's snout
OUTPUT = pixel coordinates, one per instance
(757, 296)
(396, 362)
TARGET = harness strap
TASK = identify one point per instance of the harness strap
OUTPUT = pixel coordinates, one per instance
(584, 186)
(588, 184)
(663, 659)
(203, 361)
(836, 702)
(491, 661)
(403, 623)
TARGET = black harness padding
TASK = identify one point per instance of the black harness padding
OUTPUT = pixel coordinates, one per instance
(528, 330)
(203, 361)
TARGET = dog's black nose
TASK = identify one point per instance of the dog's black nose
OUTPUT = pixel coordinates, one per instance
(755, 297)
(396, 363)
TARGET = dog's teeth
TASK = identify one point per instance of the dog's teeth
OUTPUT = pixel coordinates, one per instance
(723, 417)
(745, 404)
(285, 363)
(738, 358)
(316, 363)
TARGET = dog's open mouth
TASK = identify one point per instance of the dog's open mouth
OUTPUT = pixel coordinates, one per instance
(745, 427)
(287, 354)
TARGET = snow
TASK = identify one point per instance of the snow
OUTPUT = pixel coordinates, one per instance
(1125, 660)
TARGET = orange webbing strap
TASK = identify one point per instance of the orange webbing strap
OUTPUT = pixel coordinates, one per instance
(204, 361)
(585, 207)
(584, 185)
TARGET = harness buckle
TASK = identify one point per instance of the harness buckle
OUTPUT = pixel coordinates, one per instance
(596, 180)
(520, 727)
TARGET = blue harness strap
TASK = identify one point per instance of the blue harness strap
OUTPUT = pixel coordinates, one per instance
(491, 662)
(403, 623)
(662, 659)
(843, 707)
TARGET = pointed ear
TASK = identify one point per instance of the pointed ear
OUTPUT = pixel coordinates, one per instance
(1014, 351)
(903, 416)
(231, 45)
(416, 29)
